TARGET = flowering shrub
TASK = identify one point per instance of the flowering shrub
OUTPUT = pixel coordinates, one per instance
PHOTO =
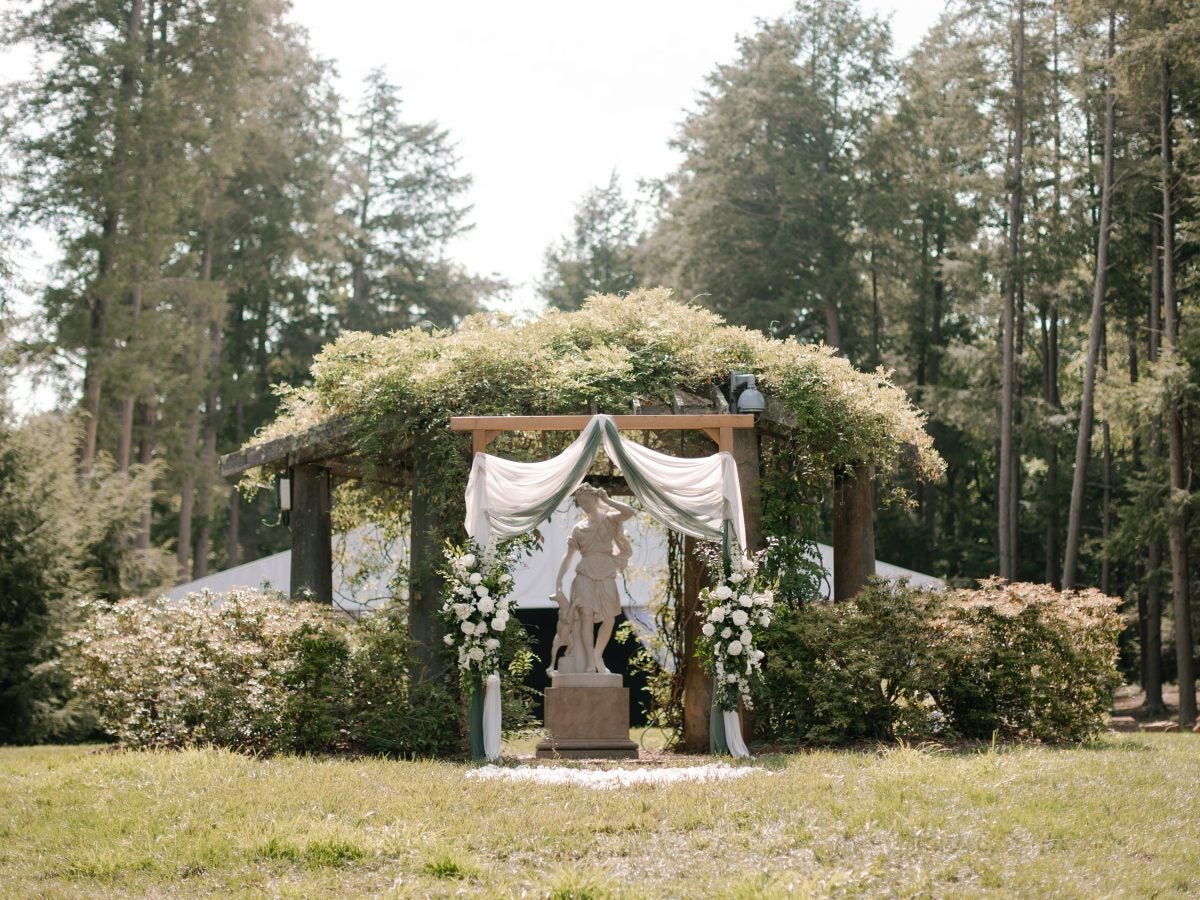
(170, 674)
(1022, 661)
(735, 613)
(475, 605)
(258, 674)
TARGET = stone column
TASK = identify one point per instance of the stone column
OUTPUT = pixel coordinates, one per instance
(853, 529)
(312, 535)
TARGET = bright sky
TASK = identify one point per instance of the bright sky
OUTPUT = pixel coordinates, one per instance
(545, 98)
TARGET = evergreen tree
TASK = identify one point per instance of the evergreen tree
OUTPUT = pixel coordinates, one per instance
(598, 256)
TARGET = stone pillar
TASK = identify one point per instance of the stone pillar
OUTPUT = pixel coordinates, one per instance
(312, 535)
(853, 529)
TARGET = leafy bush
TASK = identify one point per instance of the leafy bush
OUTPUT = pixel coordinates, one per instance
(256, 673)
(1022, 661)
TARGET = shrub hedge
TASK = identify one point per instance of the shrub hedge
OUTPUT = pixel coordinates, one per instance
(258, 674)
(1020, 661)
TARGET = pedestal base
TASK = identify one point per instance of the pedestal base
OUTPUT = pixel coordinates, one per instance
(587, 723)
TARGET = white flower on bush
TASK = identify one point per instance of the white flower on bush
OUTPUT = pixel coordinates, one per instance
(726, 633)
(764, 619)
(462, 610)
(475, 653)
(492, 644)
(486, 605)
(474, 578)
(740, 617)
(468, 628)
(717, 614)
(737, 578)
(499, 623)
(707, 629)
(723, 592)
(482, 591)
(747, 637)
(734, 648)
(746, 600)
(467, 560)
(449, 639)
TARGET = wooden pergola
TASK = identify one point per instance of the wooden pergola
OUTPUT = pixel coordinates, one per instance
(313, 458)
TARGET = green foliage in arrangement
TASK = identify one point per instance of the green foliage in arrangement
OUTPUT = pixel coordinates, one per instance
(1021, 661)
(260, 675)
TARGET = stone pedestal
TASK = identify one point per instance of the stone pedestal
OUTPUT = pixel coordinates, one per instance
(587, 717)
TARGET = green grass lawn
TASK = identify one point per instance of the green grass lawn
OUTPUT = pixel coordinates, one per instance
(1120, 817)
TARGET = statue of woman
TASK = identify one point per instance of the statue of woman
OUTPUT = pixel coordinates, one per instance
(604, 551)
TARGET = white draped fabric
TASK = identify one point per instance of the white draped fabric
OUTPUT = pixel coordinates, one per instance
(733, 734)
(491, 717)
(699, 497)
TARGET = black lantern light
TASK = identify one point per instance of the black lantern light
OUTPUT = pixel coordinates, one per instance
(744, 397)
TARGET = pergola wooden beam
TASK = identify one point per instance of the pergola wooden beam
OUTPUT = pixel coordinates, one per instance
(719, 427)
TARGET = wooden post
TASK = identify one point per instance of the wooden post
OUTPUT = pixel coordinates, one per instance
(745, 455)
(312, 535)
(697, 684)
(425, 557)
(853, 529)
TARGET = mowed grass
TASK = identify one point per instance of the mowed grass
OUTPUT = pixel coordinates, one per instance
(1121, 817)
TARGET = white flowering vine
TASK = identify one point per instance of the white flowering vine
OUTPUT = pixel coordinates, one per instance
(736, 613)
(475, 605)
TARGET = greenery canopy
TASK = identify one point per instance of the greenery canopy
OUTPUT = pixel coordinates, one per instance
(613, 351)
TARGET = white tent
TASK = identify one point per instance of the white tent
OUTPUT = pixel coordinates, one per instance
(364, 564)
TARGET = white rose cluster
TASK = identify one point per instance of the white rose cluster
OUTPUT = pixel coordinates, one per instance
(475, 606)
(736, 611)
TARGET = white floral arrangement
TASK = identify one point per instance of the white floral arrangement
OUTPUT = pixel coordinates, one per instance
(736, 612)
(475, 606)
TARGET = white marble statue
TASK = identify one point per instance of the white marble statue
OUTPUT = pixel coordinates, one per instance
(604, 550)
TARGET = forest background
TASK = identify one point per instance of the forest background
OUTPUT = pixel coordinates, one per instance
(1004, 219)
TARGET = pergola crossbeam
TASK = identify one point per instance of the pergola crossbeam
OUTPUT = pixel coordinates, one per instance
(719, 427)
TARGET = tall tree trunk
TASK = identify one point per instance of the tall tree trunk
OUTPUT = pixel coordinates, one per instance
(145, 460)
(1005, 494)
(187, 493)
(233, 544)
(208, 459)
(1106, 481)
(1086, 406)
(1152, 643)
(110, 222)
(1177, 534)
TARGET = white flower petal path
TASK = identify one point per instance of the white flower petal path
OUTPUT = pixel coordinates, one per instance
(606, 779)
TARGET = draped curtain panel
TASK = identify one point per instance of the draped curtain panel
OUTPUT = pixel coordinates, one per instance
(699, 497)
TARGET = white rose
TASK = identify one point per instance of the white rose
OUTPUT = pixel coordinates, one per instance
(468, 560)
(757, 655)
(707, 629)
(486, 605)
(726, 633)
(481, 628)
(717, 614)
(499, 622)
(474, 578)
(747, 637)
(764, 620)
(723, 592)
(468, 628)
(766, 598)
(737, 578)
(746, 600)
(505, 578)
(482, 591)
(740, 617)
(731, 678)
(475, 653)
(492, 644)
(462, 610)
(735, 647)
(449, 639)
(463, 591)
